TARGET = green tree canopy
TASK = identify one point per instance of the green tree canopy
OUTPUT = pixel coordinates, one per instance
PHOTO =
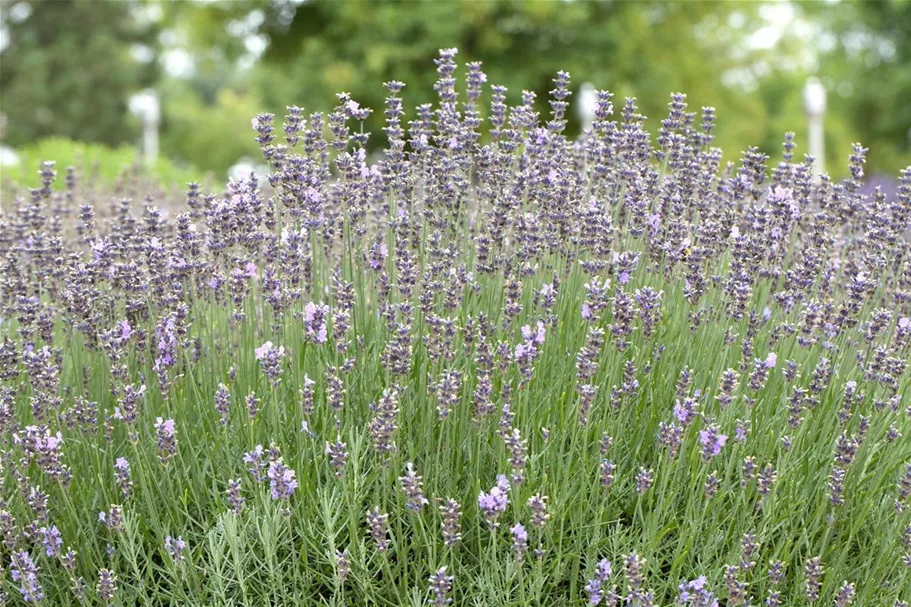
(69, 67)
(643, 49)
(865, 59)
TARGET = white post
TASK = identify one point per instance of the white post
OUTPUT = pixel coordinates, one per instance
(587, 101)
(150, 141)
(145, 105)
(814, 104)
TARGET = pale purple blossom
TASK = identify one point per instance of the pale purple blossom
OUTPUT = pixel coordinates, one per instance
(712, 442)
(440, 587)
(50, 539)
(256, 463)
(270, 360)
(595, 586)
(494, 502)
(175, 548)
(696, 594)
(338, 455)
(281, 480)
(24, 571)
(235, 499)
(519, 541)
(315, 322)
(122, 474)
(535, 336)
(378, 523)
(107, 585)
(167, 439)
(685, 411)
(412, 488)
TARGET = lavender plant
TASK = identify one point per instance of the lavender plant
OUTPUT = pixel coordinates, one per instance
(614, 349)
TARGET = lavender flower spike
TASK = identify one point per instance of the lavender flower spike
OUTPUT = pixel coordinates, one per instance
(412, 488)
(24, 571)
(337, 456)
(595, 586)
(519, 541)
(281, 480)
(440, 587)
(167, 439)
(270, 359)
(175, 548)
(494, 503)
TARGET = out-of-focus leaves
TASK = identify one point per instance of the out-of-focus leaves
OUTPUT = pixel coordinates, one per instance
(69, 67)
(68, 70)
(93, 162)
(866, 64)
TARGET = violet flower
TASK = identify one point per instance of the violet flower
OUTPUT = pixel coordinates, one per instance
(494, 503)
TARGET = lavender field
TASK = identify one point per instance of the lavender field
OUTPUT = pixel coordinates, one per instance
(490, 366)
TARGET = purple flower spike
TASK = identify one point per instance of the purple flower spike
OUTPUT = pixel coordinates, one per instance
(270, 359)
(281, 480)
(315, 322)
(494, 503)
(412, 488)
(167, 439)
(595, 586)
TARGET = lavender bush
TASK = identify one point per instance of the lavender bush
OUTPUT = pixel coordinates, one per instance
(615, 371)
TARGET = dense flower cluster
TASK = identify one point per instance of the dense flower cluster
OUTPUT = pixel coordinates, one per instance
(691, 364)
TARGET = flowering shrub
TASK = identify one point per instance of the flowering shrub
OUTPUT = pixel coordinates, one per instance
(477, 370)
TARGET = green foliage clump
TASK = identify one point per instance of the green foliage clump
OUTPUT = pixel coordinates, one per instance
(95, 162)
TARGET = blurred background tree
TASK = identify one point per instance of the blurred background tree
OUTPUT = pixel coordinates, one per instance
(865, 58)
(69, 66)
(214, 64)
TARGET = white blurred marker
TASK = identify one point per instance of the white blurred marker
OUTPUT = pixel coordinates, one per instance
(587, 101)
(145, 105)
(814, 104)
